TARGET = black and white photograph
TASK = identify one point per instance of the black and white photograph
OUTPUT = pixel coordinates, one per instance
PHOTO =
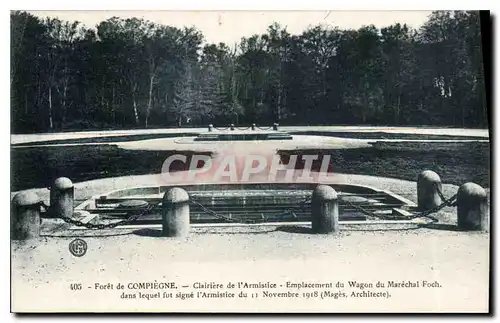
(314, 161)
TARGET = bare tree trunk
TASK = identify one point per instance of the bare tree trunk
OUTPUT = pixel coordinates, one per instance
(136, 114)
(26, 103)
(103, 86)
(65, 92)
(324, 82)
(113, 113)
(364, 108)
(51, 124)
(38, 95)
(462, 110)
(134, 103)
(148, 111)
(279, 101)
(398, 109)
(284, 100)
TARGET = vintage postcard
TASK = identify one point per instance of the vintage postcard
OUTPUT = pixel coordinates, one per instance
(250, 161)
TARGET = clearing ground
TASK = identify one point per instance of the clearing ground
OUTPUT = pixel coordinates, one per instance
(458, 261)
(43, 270)
(32, 138)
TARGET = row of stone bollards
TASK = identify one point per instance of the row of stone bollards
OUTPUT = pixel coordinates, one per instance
(232, 127)
(472, 208)
(26, 209)
(175, 216)
(472, 201)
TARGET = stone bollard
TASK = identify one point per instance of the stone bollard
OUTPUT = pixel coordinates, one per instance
(61, 198)
(175, 214)
(428, 183)
(472, 208)
(275, 126)
(210, 127)
(25, 216)
(253, 126)
(232, 126)
(325, 210)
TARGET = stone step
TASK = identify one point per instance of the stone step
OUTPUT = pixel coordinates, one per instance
(243, 136)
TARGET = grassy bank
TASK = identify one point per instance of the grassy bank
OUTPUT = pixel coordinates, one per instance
(456, 163)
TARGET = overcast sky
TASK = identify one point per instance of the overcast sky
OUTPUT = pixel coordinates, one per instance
(230, 26)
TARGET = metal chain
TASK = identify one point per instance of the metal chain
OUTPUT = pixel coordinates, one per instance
(101, 226)
(242, 128)
(262, 220)
(215, 214)
(452, 201)
(446, 202)
(426, 213)
(360, 208)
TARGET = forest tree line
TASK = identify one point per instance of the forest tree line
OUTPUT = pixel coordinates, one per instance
(133, 73)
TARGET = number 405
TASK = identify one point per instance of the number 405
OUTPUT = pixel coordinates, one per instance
(75, 286)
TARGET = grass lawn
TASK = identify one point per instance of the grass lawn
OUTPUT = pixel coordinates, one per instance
(456, 163)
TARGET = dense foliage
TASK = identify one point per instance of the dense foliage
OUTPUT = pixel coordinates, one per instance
(132, 73)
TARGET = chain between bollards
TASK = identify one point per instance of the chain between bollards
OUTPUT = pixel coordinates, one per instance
(471, 202)
(102, 226)
(232, 127)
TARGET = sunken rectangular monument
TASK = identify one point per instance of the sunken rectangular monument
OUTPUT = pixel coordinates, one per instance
(233, 133)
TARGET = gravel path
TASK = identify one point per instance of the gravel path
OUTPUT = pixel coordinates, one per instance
(298, 142)
(26, 138)
(43, 270)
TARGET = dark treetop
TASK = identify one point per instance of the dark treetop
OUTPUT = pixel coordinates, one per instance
(132, 73)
